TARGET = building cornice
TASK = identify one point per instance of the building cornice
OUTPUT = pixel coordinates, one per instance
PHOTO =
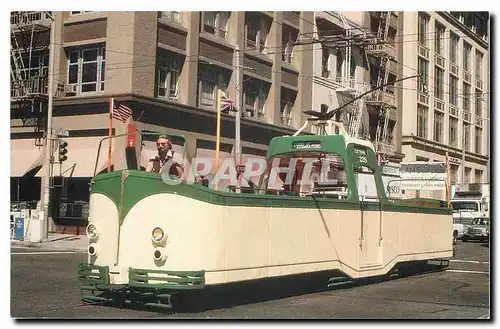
(413, 140)
(446, 15)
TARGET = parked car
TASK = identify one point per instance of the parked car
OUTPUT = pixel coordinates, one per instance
(479, 229)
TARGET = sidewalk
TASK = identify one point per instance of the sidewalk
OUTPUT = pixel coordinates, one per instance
(56, 241)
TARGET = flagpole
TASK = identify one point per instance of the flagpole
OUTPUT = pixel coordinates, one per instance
(110, 132)
(217, 138)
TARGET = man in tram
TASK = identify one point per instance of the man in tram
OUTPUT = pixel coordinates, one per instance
(164, 154)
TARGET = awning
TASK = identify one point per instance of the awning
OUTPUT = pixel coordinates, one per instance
(82, 155)
(25, 156)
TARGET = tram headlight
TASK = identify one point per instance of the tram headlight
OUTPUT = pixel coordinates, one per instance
(91, 231)
(157, 235)
(92, 250)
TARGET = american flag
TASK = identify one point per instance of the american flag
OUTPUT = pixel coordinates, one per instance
(121, 112)
(226, 104)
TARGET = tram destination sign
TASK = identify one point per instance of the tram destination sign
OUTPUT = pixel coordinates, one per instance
(306, 145)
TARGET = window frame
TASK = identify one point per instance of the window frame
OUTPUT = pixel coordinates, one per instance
(454, 41)
(453, 90)
(172, 67)
(439, 83)
(453, 131)
(100, 72)
(466, 97)
(478, 140)
(423, 78)
(466, 136)
(422, 115)
(220, 23)
(423, 29)
(467, 52)
(438, 126)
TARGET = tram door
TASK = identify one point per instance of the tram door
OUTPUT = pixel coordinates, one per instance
(370, 218)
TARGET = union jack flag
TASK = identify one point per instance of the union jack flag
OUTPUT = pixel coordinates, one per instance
(120, 111)
(226, 104)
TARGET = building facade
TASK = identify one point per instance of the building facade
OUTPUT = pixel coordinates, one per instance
(449, 113)
(167, 67)
(358, 53)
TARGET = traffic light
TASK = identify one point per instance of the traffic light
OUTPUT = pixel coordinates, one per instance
(62, 151)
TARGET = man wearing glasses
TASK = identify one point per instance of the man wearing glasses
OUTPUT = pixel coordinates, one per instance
(164, 154)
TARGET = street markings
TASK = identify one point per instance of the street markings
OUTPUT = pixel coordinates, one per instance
(467, 261)
(465, 271)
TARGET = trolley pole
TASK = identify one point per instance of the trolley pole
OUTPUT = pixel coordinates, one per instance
(48, 141)
(239, 109)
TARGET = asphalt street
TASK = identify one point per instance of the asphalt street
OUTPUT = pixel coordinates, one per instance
(44, 285)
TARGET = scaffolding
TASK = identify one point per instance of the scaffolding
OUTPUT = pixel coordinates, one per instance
(29, 50)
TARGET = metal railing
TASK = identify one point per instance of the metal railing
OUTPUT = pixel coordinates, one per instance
(30, 17)
(29, 87)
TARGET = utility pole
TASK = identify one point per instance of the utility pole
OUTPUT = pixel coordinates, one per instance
(48, 142)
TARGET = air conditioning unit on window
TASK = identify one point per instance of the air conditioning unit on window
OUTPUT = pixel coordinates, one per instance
(71, 90)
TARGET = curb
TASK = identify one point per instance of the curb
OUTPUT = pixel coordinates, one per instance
(45, 245)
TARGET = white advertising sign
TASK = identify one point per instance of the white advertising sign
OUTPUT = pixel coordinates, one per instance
(423, 176)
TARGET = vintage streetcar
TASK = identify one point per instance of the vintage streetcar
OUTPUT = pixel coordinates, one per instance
(149, 240)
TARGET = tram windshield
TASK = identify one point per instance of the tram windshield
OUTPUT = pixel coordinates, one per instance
(306, 173)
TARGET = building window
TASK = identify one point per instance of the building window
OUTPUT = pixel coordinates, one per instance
(478, 176)
(287, 101)
(80, 12)
(215, 22)
(211, 79)
(453, 48)
(257, 30)
(453, 174)
(340, 63)
(466, 136)
(453, 90)
(174, 16)
(466, 97)
(86, 69)
(255, 95)
(467, 51)
(288, 39)
(423, 26)
(467, 175)
(477, 146)
(438, 126)
(479, 66)
(169, 69)
(423, 70)
(479, 103)
(439, 83)
(453, 131)
(325, 62)
(422, 117)
(438, 42)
